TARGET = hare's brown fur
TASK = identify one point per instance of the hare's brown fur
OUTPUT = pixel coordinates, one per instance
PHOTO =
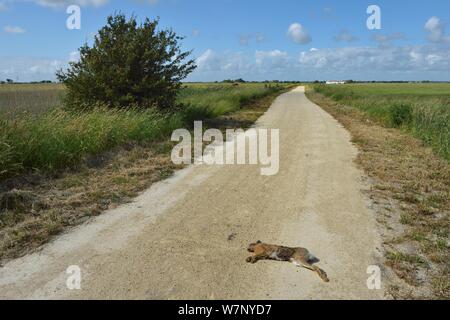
(298, 256)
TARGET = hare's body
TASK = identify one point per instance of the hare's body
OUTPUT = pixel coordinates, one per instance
(298, 256)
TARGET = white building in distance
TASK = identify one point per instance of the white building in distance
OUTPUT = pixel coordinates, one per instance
(335, 82)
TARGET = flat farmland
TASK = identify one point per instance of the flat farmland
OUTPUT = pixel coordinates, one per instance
(422, 109)
(33, 98)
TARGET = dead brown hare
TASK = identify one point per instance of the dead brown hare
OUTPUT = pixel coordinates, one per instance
(298, 256)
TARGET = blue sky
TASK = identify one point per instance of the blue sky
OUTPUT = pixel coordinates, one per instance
(250, 39)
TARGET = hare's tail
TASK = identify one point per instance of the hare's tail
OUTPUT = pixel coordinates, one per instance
(312, 257)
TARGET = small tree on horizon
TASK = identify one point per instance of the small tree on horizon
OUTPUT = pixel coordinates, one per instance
(129, 65)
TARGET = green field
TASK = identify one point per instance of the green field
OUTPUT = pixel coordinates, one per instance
(421, 109)
(36, 133)
(389, 89)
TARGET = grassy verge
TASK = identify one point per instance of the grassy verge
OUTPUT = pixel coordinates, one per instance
(35, 207)
(411, 196)
(421, 109)
(59, 138)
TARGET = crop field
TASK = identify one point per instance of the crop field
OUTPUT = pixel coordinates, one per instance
(37, 133)
(16, 99)
(421, 109)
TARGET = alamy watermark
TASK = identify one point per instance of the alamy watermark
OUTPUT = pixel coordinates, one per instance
(374, 20)
(374, 280)
(73, 281)
(251, 147)
(73, 22)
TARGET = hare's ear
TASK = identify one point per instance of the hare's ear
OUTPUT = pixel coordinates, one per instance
(259, 242)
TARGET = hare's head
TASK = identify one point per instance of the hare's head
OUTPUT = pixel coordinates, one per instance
(251, 247)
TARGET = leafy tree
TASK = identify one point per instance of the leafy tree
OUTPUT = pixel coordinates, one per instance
(129, 64)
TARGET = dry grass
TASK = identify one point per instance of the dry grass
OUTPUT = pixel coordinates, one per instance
(35, 208)
(16, 99)
(411, 195)
(74, 197)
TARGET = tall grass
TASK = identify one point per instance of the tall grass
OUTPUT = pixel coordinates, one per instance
(223, 98)
(61, 138)
(421, 109)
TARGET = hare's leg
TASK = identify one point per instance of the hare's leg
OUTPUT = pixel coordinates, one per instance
(322, 274)
(256, 258)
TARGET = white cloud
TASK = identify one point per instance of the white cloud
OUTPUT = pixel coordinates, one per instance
(360, 63)
(33, 69)
(60, 3)
(63, 3)
(206, 60)
(236, 64)
(29, 69)
(45, 67)
(271, 59)
(298, 34)
(83, 3)
(371, 59)
(74, 56)
(436, 30)
(345, 36)
(227, 62)
(386, 39)
(260, 37)
(245, 39)
(433, 59)
(151, 2)
(13, 29)
(415, 56)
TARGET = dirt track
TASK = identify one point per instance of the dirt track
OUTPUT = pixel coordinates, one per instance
(174, 241)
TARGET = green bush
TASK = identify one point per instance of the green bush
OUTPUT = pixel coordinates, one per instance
(128, 65)
(338, 96)
(193, 113)
(432, 125)
(400, 115)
